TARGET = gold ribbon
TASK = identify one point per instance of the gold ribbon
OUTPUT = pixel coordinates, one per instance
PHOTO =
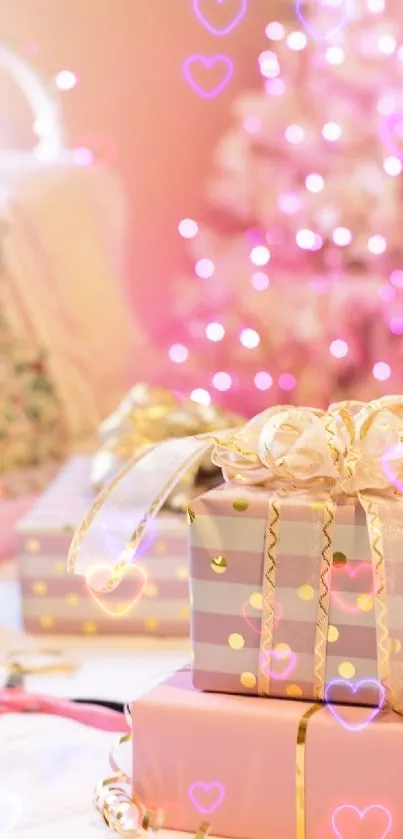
(286, 450)
(149, 415)
(300, 800)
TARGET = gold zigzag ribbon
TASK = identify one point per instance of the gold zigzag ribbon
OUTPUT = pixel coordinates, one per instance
(268, 589)
(382, 632)
(322, 619)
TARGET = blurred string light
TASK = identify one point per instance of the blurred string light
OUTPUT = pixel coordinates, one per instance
(65, 80)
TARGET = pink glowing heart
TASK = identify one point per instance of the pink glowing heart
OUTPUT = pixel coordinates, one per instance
(206, 797)
(279, 655)
(354, 689)
(278, 614)
(391, 134)
(362, 815)
(10, 811)
(210, 65)
(240, 9)
(344, 7)
(352, 572)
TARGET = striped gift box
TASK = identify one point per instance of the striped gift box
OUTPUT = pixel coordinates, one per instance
(227, 537)
(57, 602)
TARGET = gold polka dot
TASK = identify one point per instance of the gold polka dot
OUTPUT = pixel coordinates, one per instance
(68, 528)
(282, 650)
(240, 505)
(332, 634)
(219, 564)
(395, 645)
(191, 515)
(365, 602)
(293, 690)
(339, 559)
(59, 567)
(161, 548)
(184, 612)
(32, 546)
(256, 600)
(182, 572)
(347, 670)
(90, 627)
(236, 641)
(151, 590)
(72, 599)
(47, 621)
(306, 592)
(39, 587)
(248, 680)
(151, 624)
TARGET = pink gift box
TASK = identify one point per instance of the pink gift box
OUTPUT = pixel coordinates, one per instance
(227, 539)
(57, 602)
(234, 761)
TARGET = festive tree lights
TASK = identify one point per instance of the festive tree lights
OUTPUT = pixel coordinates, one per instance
(297, 293)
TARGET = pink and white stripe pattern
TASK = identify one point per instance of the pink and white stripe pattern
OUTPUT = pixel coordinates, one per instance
(229, 524)
(54, 601)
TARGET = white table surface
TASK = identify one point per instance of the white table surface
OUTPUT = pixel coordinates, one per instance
(49, 765)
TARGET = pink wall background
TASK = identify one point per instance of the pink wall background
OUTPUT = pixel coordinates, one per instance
(134, 105)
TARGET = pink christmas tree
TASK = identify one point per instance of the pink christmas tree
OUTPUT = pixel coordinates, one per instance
(297, 293)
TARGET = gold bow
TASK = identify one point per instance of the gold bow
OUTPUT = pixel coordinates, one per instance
(352, 448)
(149, 415)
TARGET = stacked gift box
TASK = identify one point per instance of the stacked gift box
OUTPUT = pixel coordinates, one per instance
(289, 723)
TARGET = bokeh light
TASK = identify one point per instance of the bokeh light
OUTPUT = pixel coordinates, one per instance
(65, 80)
(260, 255)
(188, 228)
(287, 381)
(222, 381)
(200, 395)
(178, 353)
(249, 338)
(381, 371)
(215, 331)
(263, 380)
(204, 268)
(260, 281)
(339, 348)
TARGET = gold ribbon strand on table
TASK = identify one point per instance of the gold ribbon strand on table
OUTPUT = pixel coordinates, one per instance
(344, 451)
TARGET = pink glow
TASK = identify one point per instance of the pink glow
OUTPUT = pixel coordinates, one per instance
(65, 80)
(314, 183)
(296, 41)
(279, 655)
(331, 131)
(294, 134)
(386, 105)
(215, 332)
(392, 166)
(200, 395)
(275, 31)
(199, 794)
(361, 815)
(188, 228)
(204, 269)
(335, 55)
(376, 6)
(387, 44)
(381, 371)
(222, 381)
(252, 124)
(342, 236)
(263, 380)
(268, 64)
(386, 293)
(275, 87)
(377, 244)
(260, 281)
(249, 338)
(353, 571)
(278, 614)
(306, 239)
(396, 278)
(260, 255)
(396, 325)
(287, 381)
(339, 348)
(83, 157)
(289, 203)
(178, 353)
